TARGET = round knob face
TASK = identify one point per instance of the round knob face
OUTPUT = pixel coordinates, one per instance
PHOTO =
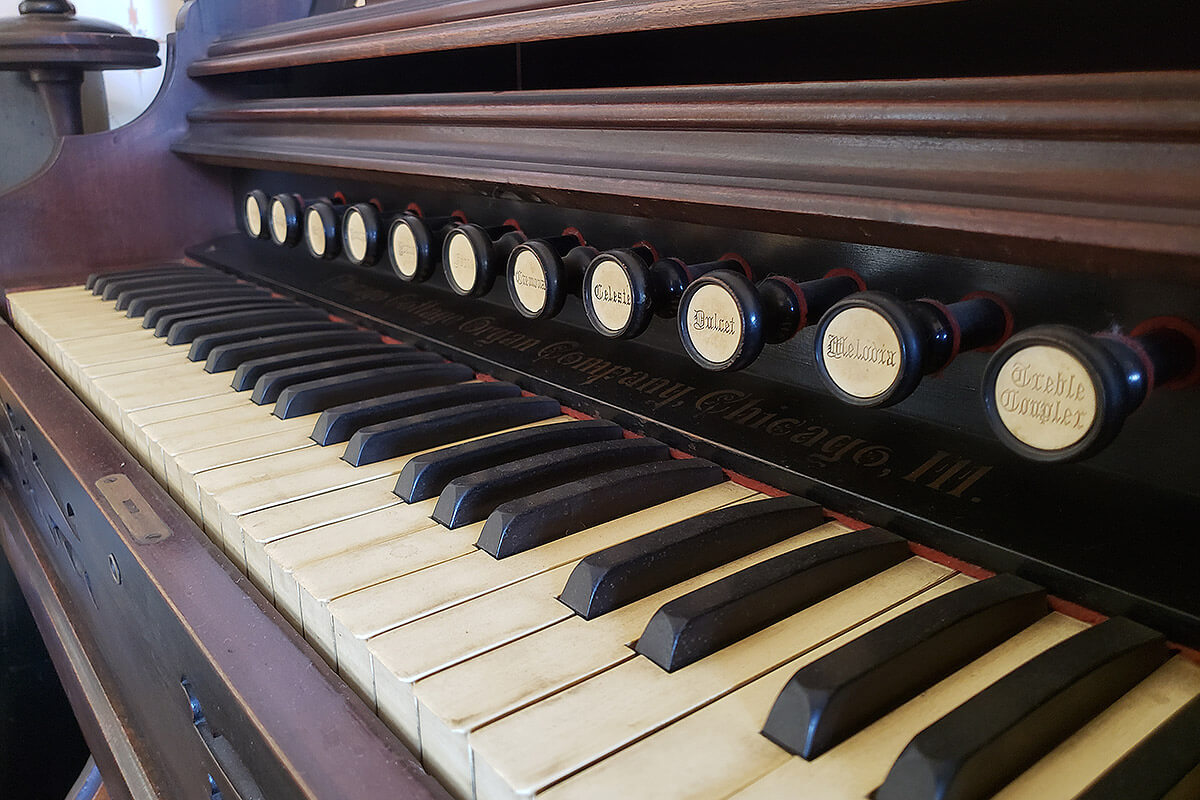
(608, 296)
(528, 283)
(711, 326)
(461, 262)
(404, 250)
(279, 223)
(254, 214)
(314, 232)
(354, 235)
(1044, 397)
(317, 236)
(860, 353)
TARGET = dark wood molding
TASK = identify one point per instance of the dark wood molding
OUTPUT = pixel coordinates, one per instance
(392, 29)
(1080, 172)
(1161, 106)
(391, 15)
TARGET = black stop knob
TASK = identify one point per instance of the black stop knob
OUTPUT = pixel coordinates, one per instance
(472, 256)
(622, 289)
(1055, 393)
(363, 227)
(725, 319)
(415, 244)
(254, 214)
(872, 349)
(284, 217)
(543, 272)
(323, 228)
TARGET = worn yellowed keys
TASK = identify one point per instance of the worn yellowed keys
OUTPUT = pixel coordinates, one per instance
(185, 471)
(449, 637)
(126, 393)
(720, 749)
(166, 441)
(229, 493)
(262, 529)
(77, 313)
(140, 421)
(357, 617)
(310, 570)
(1076, 763)
(527, 751)
(468, 695)
(45, 315)
(304, 531)
(79, 354)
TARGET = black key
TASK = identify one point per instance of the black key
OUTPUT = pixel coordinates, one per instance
(1166, 761)
(423, 431)
(836, 696)
(248, 372)
(189, 300)
(98, 281)
(226, 357)
(167, 321)
(524, 524)
(637, 568)
(702, 622)
(212, 303)
(317, 395)
(108, 275)
(186, 331)
(114, 288)
(203, 345)
(992, 738)
(270, 385)
(429, 388)
(472, 497)
(171, 287)
(427, 475)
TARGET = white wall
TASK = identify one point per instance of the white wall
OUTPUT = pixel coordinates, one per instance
(129, 91)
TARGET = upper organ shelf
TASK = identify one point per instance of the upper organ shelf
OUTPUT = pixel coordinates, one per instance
(402, 27)
(1086, 172)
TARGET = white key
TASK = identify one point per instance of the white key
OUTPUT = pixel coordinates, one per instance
(531, 749)
(451, 636)
(139, 421)
(357, 617)
(194, 474)
(263, 529)
(166, 441)
(720, 748)
(482, 689)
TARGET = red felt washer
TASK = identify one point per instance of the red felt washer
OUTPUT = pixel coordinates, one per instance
(745, 265)
(576, 233)
(843, 272)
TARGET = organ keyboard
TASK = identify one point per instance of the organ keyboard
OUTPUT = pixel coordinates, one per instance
(478, 663)
(495, 480)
